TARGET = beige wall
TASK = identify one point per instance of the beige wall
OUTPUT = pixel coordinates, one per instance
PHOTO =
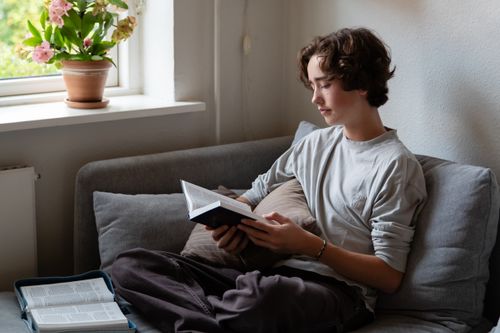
(57, 153)
(445, 97)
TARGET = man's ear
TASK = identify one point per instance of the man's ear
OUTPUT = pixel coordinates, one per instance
(363, 93)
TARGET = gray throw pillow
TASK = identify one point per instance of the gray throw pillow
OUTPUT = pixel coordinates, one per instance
(448, 265)
(156, 222)
(305, 128)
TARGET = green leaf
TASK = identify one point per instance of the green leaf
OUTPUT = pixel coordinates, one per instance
(79, 57)
(70, 35)
(110, 60)
(33, 41)
(96, 58)
(73, 20)
(58, 38)
(34, 31)
(108, 21)
(101, 48)
(88, 24)
(119, 3)
(97, 38)
(43, 18)
(59, 57)
(81, 5)
(48, 33)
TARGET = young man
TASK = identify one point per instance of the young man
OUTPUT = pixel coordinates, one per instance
(362, 185)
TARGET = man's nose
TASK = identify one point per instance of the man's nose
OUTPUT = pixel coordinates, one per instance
(316, 98)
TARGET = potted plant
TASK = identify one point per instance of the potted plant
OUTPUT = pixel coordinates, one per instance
(75, 36)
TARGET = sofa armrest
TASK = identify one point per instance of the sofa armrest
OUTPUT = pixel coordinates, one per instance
(232, 165)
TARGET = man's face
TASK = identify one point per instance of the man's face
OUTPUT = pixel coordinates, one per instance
(336, 105)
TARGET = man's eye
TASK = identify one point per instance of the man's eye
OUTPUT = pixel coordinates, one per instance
(326, 85)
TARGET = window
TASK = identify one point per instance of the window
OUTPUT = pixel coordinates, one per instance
(21, 77)
(146, 75)
(13, 16)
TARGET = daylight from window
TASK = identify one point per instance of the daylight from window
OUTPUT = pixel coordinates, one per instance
(13, 17)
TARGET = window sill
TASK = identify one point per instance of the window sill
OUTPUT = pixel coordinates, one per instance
(43, 115)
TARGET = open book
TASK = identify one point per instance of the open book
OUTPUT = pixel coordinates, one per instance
(73, 306)
(214, 209)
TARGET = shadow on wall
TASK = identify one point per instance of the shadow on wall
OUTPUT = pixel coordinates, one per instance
(477, 134)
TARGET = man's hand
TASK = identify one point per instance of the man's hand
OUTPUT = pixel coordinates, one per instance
(279, 234)
(229, 239)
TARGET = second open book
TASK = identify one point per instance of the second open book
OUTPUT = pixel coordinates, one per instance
(80, 303)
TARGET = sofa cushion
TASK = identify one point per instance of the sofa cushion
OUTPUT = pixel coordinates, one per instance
(448, 265)
(402, 324)
(123, 221)
(10, 314)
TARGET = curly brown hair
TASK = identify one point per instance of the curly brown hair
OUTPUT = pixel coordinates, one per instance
(356, 57)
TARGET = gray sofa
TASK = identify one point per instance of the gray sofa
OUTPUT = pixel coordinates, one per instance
(450, 270)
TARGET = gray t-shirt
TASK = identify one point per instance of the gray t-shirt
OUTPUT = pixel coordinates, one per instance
(364, 195)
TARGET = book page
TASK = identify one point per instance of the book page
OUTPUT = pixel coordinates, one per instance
(197, 197)
(73, 292)
(83, 316)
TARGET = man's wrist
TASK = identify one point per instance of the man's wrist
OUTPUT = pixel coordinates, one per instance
(244, 200)
(314, 245)
(322, 250)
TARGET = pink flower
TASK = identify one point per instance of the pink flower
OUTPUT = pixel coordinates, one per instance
(57, 9)
(42, 53)
(87, 42)
(57, 20)
(63, 4)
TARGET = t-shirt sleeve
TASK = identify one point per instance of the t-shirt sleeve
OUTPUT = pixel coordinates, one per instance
(395, 210)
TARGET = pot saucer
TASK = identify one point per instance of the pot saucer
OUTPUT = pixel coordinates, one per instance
(87, 105)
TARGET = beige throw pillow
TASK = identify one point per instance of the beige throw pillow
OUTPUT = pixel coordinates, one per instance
(288, 200)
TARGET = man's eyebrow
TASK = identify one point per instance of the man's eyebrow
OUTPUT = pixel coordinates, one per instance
(321, 78)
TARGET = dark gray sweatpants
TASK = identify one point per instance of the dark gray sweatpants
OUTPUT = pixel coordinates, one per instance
(178, 294)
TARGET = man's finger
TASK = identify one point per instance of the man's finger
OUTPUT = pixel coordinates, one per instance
(275, 216)
(241, 245)
(219, 232)
(256, 224)
(226, 237)
(259, 242)
(234, 242)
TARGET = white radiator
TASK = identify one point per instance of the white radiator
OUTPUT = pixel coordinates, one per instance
(18, 257)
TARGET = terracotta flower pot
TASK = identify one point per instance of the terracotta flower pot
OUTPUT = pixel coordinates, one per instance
(85, 81)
